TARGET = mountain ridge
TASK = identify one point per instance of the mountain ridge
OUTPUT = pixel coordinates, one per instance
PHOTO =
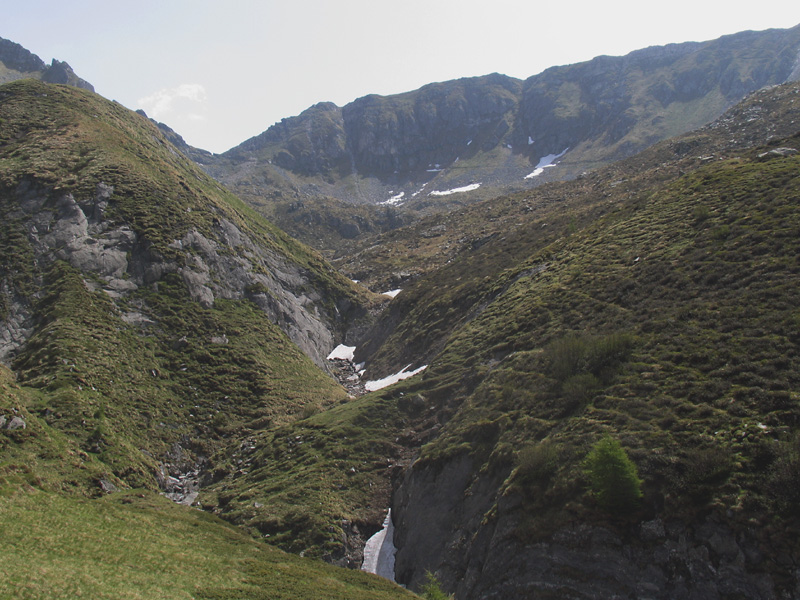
(450, 143)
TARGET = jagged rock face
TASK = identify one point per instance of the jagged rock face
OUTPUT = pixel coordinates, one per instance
(14, 56)
(311, 143)
(496, 129)
(76, 231)
(27, 64)
(454, 523)
(61, 72)
(417, 131)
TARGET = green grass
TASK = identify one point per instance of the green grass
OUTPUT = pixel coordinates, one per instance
(311, 477)
(136, 545)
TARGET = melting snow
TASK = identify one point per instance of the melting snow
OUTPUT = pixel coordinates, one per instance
(391, 293)
(466, 188)
(544, 162)
(396, 199)
(372, 386)
(342, 352)
(379, 551)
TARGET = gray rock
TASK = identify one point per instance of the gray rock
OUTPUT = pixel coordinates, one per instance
(777, 153)
(107, 486)
(651, 531)
(16, 423)
(443, 526)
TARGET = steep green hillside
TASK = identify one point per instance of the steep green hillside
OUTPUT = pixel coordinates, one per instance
(150, 320)
(652, 303)
(127, 544)
(668, 323)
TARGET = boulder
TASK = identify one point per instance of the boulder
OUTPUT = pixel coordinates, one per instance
(16, 423)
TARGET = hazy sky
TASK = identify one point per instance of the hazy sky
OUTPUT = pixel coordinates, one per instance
(221, 72)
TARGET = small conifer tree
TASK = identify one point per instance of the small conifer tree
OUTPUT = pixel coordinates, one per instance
(431, 590)
(613, 477)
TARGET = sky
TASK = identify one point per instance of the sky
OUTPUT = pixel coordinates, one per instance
(220, 72)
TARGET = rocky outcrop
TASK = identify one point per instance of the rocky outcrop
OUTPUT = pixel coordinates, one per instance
(415, 132)
(14, 56)
(453, 523)
(61, 72)
(226, 264)
(27, 64)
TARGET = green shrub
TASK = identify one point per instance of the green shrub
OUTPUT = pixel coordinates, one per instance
(578, 389)
(599, 355)
(783, 481)
(538, 462)
(612, 476)
(704, 472)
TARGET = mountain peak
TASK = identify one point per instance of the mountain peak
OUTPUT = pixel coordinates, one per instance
(21, 63)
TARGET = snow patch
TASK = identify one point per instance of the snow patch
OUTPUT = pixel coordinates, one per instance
(545, 162)
(379, 551)
(394, 200)
(530, 140)
(466, 188)
(342, 352)
(392, 293)
(379, 384)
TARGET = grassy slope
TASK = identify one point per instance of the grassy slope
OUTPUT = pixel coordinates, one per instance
(315, 478)
(71, 140)
(129, 544)
(136, 545)
(113, 386)
(657, 304)
(104, 400)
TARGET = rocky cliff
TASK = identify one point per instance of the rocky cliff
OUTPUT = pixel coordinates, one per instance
(496, 131)
(21, 63)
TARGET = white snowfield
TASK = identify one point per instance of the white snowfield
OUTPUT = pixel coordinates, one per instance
(395, 200)
(379, 384)
(342, 352)
(545, 162)
(379, 551)
(466, 188)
